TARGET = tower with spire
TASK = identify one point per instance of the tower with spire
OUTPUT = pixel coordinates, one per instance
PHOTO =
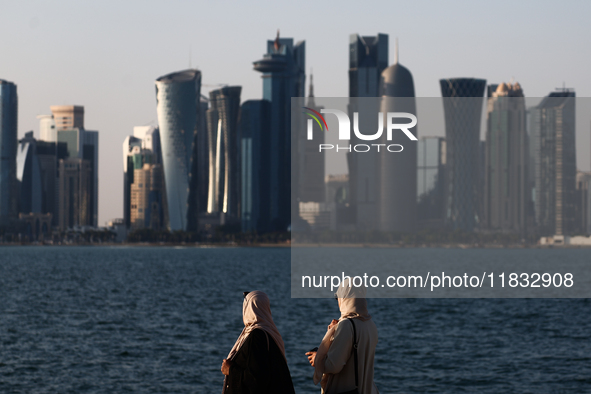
(397, 196)
(312, 162)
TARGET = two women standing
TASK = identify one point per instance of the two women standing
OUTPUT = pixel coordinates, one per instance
(343, 363)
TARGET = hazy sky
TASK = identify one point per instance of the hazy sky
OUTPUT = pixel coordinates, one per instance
(106, 55)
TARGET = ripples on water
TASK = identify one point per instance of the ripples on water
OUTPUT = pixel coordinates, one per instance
(160, 320)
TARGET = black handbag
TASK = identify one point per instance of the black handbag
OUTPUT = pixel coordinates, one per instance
(356, 389)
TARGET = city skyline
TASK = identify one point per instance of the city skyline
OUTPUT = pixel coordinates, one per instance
(132, 54)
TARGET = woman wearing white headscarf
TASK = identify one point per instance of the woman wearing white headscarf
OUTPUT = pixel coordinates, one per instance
(256, 363)
(334, 361)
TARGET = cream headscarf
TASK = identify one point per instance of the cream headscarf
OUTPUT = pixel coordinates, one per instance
(256, 313)
(354, 306)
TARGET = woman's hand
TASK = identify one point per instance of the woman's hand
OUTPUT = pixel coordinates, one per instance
(333, 323)
(311, 357)
(226, 367)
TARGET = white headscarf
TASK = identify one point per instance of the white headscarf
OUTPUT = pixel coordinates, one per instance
(354, 306)
(256, 313)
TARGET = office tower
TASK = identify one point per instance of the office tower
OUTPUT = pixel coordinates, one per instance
(47, 128)
(368, 58)
(553, 146)
(224, 155)
(68, 117)
(583, 196)
(430, 182)
(146, 209)
(74, 190)
(397, 172)
(311, 163)
(462, 104)
(178, 106)
(143, 149)
(202, 161)
(255, 156)
(8, 148)
(37, 175)
(29, 176)
(83, 144)
(506, 194)
(283, 69)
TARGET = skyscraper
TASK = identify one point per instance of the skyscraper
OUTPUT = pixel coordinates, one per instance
(47, 128)
(224, 154)
(462, 103)
(178, 108)
(283, 69)
(142, 155)
(83, 144)
(74, 191)
(68, 117)
(29, 176)
(430, 181)
(553, 140)
(506, 194)
(397, 197)
(255, 159)
(8, 149)
(368, 58)
(311, 163)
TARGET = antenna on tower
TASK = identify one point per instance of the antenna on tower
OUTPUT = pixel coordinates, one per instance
(396, 50)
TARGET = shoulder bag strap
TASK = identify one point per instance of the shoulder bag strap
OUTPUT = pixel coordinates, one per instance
(355, 352)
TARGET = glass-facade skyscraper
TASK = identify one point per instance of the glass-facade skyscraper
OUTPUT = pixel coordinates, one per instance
(430, 181)
(506, 186)
(178, 107)
(368, 58)
(462, 103)
(397, 204)
(255, 172)
(224, 154)
(553, 147)
(283, 68)
(8, 149)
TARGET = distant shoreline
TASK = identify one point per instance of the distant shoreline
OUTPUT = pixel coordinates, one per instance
(303, 245)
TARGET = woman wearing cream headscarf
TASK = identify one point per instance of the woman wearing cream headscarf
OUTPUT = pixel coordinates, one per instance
(256, 363)
(334, 363)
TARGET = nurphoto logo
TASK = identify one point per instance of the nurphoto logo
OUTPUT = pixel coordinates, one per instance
(345, 130)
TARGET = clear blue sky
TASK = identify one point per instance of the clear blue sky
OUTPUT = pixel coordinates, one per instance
(106, 55)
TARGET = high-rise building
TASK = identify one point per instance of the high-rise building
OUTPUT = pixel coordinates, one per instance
(178, 107)
(141, 150)
(29, 176)
(83, 144)
(74, 190)
(37, 175)
(283, 69)
(397, 182)
(506, 193)
(368, 58)
(146, 209)
(462, 103)
(8, 149)
(255, 159)
(430, 182)
(224, 154)
(68, 117)
(312, 162)
(555, 171)
(583, 195)
(47, 128)
(202, 153)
